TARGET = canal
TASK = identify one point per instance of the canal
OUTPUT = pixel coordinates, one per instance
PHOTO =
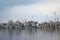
(28, 34)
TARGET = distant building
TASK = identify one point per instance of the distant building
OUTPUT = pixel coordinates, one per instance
(4, 25)
(19, 24)
(32, 24)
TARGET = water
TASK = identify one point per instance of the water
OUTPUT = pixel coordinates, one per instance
(26, 34)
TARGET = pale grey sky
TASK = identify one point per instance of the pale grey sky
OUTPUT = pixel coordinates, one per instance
(39, 9)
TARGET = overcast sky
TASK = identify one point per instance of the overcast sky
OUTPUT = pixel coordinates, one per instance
(20, 9)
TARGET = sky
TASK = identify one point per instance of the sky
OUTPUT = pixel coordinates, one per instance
(38, 10)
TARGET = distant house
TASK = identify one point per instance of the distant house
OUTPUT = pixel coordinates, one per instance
(3, 25)
(50, 25)
(58, 25)
(44, 25)
(19, 24)
(32, 24)
(11, 24)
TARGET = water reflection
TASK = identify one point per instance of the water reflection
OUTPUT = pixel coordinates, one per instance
(29, 34)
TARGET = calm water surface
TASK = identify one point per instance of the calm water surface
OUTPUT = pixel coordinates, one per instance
(26, 34)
